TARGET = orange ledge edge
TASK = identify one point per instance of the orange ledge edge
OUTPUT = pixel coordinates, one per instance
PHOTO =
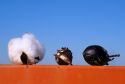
(54, 74)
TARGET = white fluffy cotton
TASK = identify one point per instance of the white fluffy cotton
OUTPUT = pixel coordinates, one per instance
(27, 44)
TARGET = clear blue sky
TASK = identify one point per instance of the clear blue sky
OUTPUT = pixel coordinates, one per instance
(69, 23)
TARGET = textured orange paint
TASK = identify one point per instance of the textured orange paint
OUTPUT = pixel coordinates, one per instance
(50, 74)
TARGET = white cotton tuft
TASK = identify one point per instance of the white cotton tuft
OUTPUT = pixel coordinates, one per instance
(27, 44)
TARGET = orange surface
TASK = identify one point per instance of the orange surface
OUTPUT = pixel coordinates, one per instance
(45, 74)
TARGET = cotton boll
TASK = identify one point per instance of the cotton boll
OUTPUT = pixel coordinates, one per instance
(96, 55)
(27, 48)
(64, 56)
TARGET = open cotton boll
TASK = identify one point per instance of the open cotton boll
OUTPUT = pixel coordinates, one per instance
(25, 50)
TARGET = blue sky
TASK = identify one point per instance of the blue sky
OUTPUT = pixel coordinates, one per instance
(65, 23)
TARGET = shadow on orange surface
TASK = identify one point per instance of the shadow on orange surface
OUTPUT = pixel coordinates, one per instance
(50, 74)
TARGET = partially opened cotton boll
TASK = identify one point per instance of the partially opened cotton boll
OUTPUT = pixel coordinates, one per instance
(64, 56)
(25, 50)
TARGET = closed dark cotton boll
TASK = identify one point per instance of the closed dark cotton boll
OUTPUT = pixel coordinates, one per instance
(97, 55)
